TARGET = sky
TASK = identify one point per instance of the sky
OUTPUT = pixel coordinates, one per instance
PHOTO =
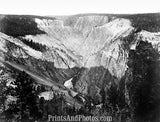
(72, 7)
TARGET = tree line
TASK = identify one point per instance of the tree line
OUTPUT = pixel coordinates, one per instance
(34, 45)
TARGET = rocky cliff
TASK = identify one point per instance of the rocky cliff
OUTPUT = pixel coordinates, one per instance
(87, 51)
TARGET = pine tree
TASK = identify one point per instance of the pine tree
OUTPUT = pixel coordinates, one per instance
(27, 99)
(3, 93)
(144, 88)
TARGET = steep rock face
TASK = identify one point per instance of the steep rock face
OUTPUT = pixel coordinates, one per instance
(13, 50)
(92, 41)
(85, 24)
(88, 51)
(151, 37)
(20, 50)
(92, 81)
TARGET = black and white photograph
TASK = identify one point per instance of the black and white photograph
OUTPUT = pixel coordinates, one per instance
(79, 61)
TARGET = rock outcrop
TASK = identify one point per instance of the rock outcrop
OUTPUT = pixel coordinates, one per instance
(90, 51)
